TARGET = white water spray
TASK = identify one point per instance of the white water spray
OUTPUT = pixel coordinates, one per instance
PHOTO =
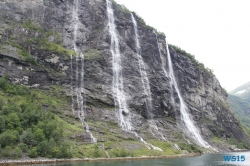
(162, 57)
(71, 85)
(43, 13)
(185, 117)
(145, 83)
(118, 93)
(154, 129)
(142, 68)
(79, 87)
(148, 145)
(119, 97)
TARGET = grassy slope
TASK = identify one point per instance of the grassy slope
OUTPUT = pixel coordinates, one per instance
(241, 104)
(52, 105)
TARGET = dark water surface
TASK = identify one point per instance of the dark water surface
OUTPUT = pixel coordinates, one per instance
(203, 160)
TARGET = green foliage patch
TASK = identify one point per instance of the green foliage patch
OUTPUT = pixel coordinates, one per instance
(240, 106)
(28, 127)
(92, 54)
(30, 25)
(190, 56)
(121, 8)
(54, 47)
(191, 148)
(39, 38)
(240, 145)
(22, 51)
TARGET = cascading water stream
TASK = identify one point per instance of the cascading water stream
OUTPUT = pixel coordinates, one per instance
(185, 117)
(142, 68)
(162, 58)
(43, 14)
(153, 126)
(145, 84)
(71, 84)
(175, 146)
(118, 92)
(79, 87)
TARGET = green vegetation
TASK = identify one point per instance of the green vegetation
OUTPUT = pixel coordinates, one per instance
(22, 51)
(191, 148)
(123, 149)
(92, 54)
(240, 145)
(38, 39)
(232, 141)
(28, 24)
(171, 119)
(217, 140)
(191, 57)
(206, 121)
(29, 125)
(241, 108)
(26, 126)
(122, 8)
(142, 22)
(53, 47)
(11, 152)
(241, 105)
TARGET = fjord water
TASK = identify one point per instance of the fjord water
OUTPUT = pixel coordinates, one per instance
(216, 159)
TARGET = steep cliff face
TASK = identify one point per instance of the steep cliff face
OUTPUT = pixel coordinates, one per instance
(37, 39)
(206, 99)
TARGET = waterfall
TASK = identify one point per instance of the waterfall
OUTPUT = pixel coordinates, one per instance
(119, 97)
(192, 130)
(79, 85)
(142, 68)
(185, 117)
(71, 85)
(162, 57)
(145, 84)
(153, 126)
(43, 14)
(75, 22)
(117, 84)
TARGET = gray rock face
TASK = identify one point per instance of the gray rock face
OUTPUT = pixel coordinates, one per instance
(37, 39)
(206, 100)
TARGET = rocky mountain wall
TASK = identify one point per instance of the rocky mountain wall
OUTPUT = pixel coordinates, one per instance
(36, 41)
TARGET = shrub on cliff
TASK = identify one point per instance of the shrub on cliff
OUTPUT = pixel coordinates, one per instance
(33, 153)
(9, 138)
